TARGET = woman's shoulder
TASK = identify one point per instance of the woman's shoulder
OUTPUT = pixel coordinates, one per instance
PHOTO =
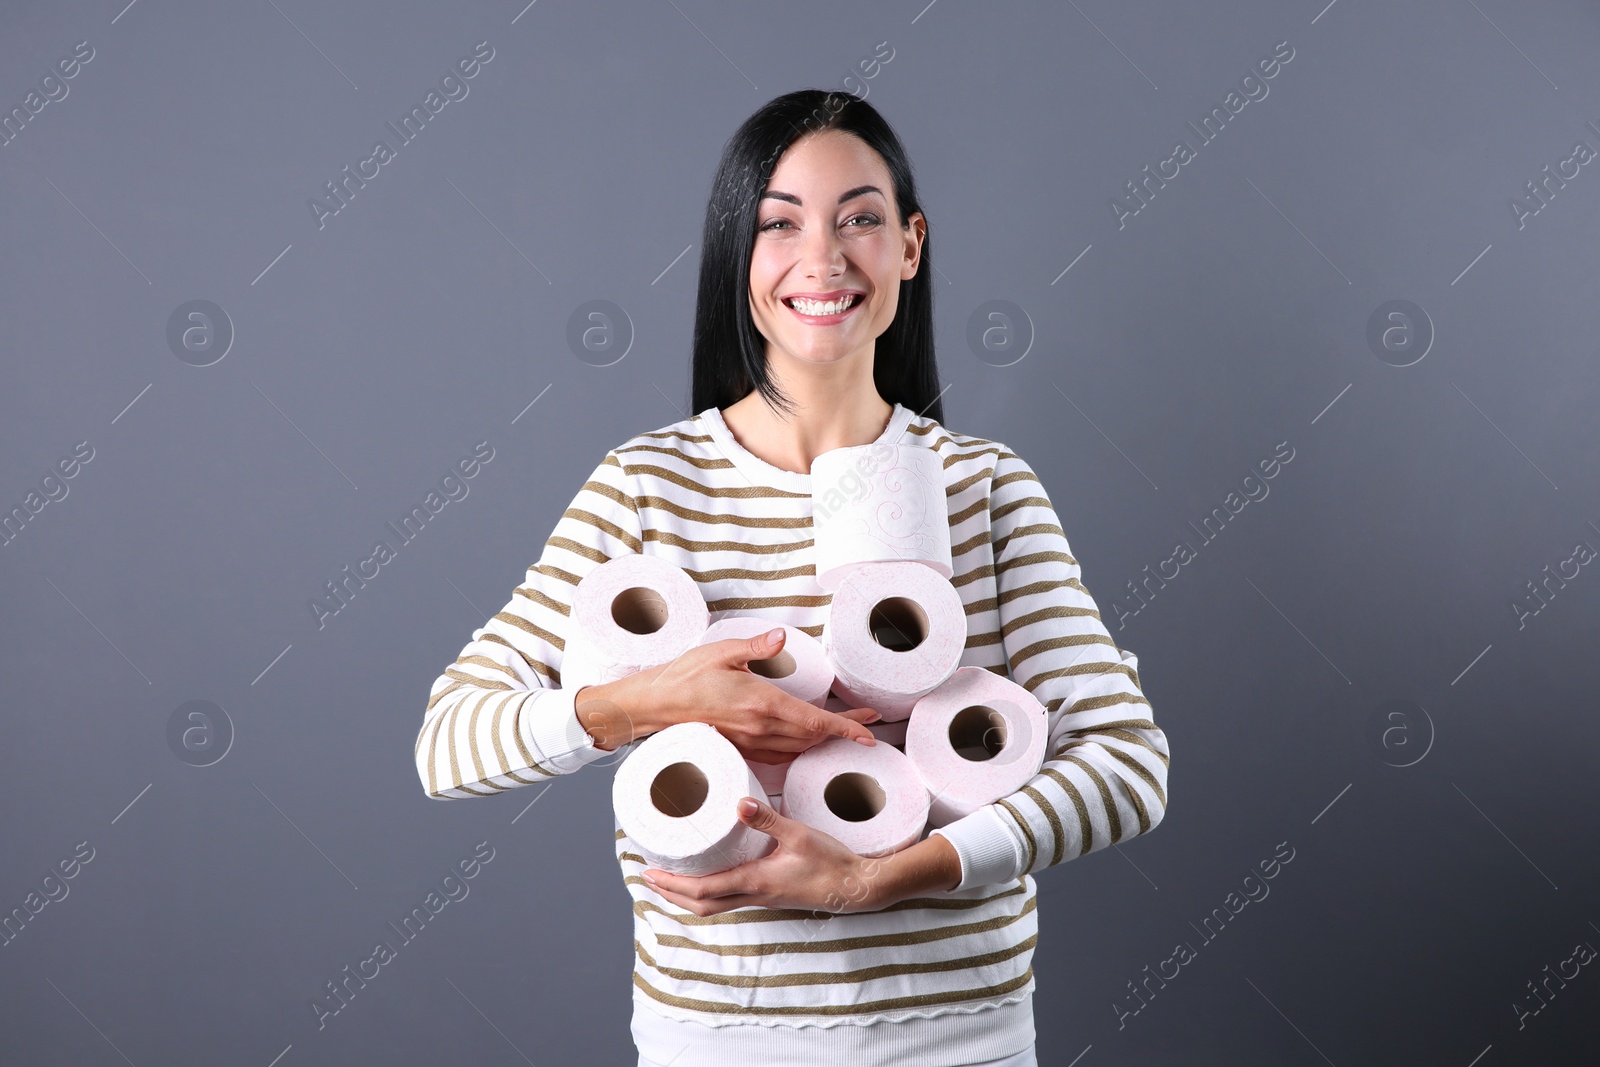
(956, 446)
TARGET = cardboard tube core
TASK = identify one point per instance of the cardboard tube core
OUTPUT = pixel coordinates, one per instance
(898, 624)
(978, 733)
(854, 797)
(679, 789)
(780, 666)
(639, 610)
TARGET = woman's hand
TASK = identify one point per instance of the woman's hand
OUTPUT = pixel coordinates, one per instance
(813, 871)
(712, 683)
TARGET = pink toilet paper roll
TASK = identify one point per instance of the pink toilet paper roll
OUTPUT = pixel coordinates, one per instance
(770, 775)
(876, 503)
(894, 632)
(630, 613)
(974, 739)
(676, 796)
(802, 669)
(869, 798)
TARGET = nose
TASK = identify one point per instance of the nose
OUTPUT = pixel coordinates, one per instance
(822, 253)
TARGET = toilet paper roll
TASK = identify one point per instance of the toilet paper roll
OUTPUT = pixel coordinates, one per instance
(893, 733)
(628, 614)
(877, 503)
(974, 739)
(770, 775)
(677, 795)
(894, 632)
(869, 798)
(802, 669)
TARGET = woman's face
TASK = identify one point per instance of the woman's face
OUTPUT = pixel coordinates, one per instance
(826, 229)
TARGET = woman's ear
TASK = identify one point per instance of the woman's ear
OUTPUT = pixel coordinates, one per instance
(916, 232)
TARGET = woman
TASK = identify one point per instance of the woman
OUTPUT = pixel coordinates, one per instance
(814, 331)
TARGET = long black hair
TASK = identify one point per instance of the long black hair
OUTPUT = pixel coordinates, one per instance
(729, 352)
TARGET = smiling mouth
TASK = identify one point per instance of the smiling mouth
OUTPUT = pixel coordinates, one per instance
(824, 309)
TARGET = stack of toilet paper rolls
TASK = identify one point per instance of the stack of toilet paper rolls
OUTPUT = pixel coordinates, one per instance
(951, 738)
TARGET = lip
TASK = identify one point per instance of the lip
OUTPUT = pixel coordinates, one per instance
(825, 320)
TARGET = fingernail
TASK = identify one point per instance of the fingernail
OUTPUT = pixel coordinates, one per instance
(748, 808)
(774, 635)
(649, 881)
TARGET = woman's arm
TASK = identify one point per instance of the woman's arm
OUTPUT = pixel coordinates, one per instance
(496, 718)
(1104, 779)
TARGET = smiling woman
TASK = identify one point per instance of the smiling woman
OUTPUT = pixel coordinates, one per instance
(814, 331)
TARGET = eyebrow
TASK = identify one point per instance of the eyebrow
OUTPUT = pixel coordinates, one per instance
(849, 195)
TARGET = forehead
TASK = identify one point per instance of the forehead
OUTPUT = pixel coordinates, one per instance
(826, 163)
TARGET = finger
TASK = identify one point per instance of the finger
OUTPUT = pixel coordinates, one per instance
(703, 887)
(739, 651)
(762, 816)
(861, 715)
(714, 906)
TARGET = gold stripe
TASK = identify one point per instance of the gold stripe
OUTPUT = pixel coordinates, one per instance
(974, 508)
(1054, 611)
(977, 540)
(966, 483)
(1016, 476)
(1113, 817)
(709, 518)
(861, 974)
(441, 694)
(1057, 834)
(1085, 828)
(1048, 529)
(762, 915)
(705, 463)
(849, 944)
(1113, 730)
(1133, 794)
(738, 492)
(476, 682)
(485, 661)
(1094, 667)
(543, 599)
(472, 744)
(1044, 556)
(1017, 592)
(984, 570)
(921, 1000)
(634, 856)
(553, 640)
(609, 492)
(750, 603)
(1027, 652)
(747, 575)
(695, 546)
(679, 434)
(601, 523)
(1027, 833)
(499, 749)
(538, 666)
(619, 836)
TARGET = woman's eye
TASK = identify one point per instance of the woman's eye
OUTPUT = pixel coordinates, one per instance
(865, 218)
(774, 224)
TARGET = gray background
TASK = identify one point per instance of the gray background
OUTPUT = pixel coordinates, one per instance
(1443, 853)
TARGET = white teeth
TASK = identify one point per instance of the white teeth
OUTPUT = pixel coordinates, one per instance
(820, 307)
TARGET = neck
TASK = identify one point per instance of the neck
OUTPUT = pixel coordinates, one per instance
(836, 405)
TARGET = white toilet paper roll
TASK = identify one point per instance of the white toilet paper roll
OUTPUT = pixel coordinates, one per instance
(894, 632)
(802, 669)
(974, 739)
(676, 797)
(628, 614)
(869, 798)
(877, 503)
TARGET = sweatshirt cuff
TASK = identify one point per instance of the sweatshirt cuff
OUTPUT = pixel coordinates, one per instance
(989, 849)
(547, 721)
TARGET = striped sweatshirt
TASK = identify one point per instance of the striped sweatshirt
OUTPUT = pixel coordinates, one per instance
(945, 978)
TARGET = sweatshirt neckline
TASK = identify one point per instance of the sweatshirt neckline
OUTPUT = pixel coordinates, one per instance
(761, 472)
